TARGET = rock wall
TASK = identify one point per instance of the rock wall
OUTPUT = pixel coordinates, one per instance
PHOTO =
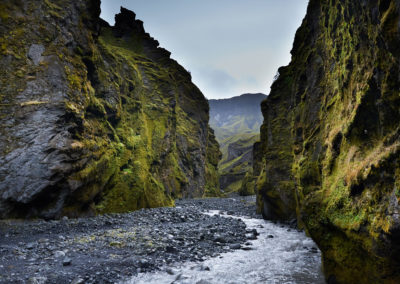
(95, 118)
(331, 138)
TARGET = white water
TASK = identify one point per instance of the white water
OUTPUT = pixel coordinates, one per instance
(286, 258)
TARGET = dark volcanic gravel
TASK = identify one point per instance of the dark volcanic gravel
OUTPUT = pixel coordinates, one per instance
(113, 247)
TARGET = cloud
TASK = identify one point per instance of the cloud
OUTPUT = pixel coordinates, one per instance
(237, 49)
(217, 80)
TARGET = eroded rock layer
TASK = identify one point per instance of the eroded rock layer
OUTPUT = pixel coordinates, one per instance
(95, 118)
(331, 138)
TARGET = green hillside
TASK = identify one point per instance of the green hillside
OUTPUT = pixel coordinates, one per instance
(236, 123)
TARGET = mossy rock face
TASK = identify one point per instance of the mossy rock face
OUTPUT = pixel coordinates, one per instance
(94, 118)
(331, 139)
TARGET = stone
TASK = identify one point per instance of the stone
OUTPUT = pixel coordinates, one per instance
(35, 53)
(171, 271)
(204, 268)
(78, 280)
(235, 246)
(219, 238)
(59, 254)
(251, 236)
(202, 281)
(31, 245)
(66, 261)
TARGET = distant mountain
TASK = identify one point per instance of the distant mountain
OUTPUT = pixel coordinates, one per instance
(236, 115)
(236, 122)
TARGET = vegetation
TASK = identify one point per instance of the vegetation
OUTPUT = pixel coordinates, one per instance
(133, 127)
(236, 122)
(330, 139)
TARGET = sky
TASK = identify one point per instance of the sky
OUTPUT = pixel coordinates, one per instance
(231, 47)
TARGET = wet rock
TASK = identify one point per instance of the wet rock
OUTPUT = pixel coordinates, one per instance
(251, 236)
(219, 239)
(202, 281)
(144, 263)
(31, 245)
(204, 268)
(78, 280)
(59, 253)
(66, 261)
(171, 249)
(247, 248)
(235, 246)
(171, 271)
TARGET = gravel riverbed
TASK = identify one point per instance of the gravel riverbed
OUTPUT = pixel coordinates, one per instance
(114, 247)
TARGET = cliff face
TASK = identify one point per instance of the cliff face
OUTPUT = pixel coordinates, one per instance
(331, 138)
(95, 118)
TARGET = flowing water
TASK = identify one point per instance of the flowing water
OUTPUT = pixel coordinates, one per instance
(289, 257)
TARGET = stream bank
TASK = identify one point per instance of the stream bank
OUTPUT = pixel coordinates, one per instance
(116, 247)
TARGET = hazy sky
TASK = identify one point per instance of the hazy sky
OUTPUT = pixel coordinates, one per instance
(231, 47)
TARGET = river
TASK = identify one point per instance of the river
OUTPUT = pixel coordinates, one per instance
(279, 255)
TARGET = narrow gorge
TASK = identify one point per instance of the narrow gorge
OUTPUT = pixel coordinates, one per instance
(116, 168)
(236, 122)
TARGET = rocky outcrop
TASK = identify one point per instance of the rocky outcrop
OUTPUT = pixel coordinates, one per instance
(95, 118)
(331, 138)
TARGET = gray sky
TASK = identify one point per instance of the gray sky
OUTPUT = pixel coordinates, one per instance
(231, 47)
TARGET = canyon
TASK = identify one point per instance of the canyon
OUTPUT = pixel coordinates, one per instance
(99, 124)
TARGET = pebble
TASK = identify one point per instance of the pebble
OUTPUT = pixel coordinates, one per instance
(235, 246)
(204, 268)
(30, 245)
(67, 261)
(148, 240)
(170, 271)
(59, 253)
(78, 280)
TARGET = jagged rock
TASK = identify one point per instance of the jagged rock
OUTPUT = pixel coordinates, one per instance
(330, 142)
(102, 121)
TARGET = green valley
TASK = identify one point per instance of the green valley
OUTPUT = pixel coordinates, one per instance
(236, 122)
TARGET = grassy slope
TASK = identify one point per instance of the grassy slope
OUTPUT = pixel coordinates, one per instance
(239, 132)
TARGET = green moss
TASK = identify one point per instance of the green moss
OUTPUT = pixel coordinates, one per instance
(4, 14)
(248, 185)
(328, 142)
(137, 122)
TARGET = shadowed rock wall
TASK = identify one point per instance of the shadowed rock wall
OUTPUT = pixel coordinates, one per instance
(95, 118)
